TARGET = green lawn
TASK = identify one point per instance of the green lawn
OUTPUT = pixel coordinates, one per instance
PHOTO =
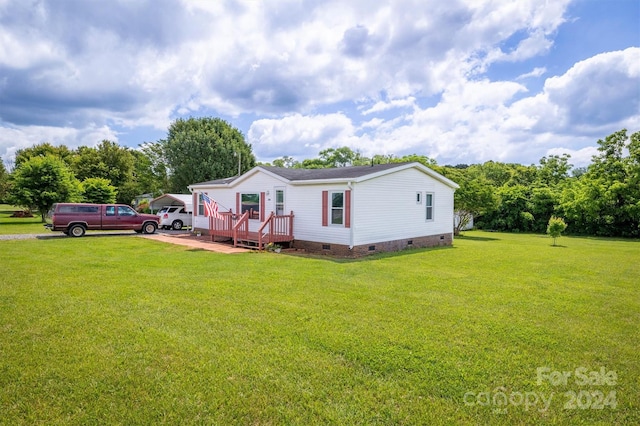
(124, 330)
(19, 225)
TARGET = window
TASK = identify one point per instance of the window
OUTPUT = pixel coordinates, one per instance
(200, 205)
(279, 202)
(78, 209)
(418, 197)
(250, 203)
(125, 211)
(110, 210)
(428, 202)
(337, 208)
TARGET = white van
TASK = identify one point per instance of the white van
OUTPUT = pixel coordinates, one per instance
(174, 217)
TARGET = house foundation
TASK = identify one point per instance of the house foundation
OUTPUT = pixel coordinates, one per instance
(341, 250)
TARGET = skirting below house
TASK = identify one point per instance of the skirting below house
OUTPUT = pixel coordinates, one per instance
(367, 249)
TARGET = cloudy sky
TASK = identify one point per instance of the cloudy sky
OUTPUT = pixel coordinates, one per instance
(461, 81)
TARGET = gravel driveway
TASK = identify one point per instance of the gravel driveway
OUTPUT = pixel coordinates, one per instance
(88, 234)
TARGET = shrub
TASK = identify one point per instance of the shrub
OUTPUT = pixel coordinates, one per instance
(556, 227)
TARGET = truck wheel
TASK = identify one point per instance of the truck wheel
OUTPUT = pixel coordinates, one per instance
(177, 225)
(149, 228)
(76, 231)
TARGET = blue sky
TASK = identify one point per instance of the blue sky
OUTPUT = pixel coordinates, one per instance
(459, 81)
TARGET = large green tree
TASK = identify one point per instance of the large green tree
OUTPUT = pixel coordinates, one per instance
(98, 190)
(151, 169)
(41, 181)
(41, 150)
(474, 198)
(108, 161)
(202, 149)
(606, 199)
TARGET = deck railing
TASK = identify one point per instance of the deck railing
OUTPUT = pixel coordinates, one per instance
(276, 229)
(234, 226)
(223, 226)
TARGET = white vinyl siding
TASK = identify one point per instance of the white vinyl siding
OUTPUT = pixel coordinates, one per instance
(306, 203)
(385, 208)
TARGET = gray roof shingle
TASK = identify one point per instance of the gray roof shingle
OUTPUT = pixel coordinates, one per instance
(338, 173)
(350, 172)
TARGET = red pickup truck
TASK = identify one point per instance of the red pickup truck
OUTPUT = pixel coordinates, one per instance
(75, 219)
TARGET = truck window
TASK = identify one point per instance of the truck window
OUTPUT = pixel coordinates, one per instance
(125, 211)
(87, 209)
(110, 210)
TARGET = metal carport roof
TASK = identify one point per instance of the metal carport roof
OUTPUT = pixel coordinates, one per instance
(172, 200)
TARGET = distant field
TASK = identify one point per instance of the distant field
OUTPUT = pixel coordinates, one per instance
(19, 225)
(124, 330)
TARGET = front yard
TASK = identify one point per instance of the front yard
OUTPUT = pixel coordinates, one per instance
(105, 330)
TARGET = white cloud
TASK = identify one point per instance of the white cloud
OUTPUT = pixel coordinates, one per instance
(476, 121)
(15, 138)
(297, 134)
(579, 157)
(600, 91)
(396, 103)
(536, 72)
(406, 76)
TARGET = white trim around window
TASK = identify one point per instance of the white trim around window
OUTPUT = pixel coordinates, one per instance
(429, 202)
(336, 208)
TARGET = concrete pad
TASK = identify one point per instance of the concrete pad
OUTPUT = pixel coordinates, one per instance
(203, 243)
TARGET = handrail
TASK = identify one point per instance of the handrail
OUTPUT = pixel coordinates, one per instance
(261, 229)
(242, 225)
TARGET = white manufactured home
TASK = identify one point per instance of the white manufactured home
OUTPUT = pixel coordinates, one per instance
(346, 211)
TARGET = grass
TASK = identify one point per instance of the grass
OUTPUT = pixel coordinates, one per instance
(123, 330)
(19, 225)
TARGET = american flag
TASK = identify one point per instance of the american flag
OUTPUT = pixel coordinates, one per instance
(210, 207)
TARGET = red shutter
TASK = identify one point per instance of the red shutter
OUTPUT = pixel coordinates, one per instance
(238, 203)
(347, 208)
(195, 203)
(262, 197)
(325, 208)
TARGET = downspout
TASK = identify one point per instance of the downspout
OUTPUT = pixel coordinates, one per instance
(350, 186)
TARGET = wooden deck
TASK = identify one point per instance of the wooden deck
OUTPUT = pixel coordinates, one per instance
(235, 228)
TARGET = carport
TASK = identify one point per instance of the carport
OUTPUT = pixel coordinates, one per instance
(171, 200)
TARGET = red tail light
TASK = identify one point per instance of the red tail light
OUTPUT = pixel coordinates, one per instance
(166, 216)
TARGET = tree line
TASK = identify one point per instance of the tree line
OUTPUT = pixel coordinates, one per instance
(195, 150)
(601, 199)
